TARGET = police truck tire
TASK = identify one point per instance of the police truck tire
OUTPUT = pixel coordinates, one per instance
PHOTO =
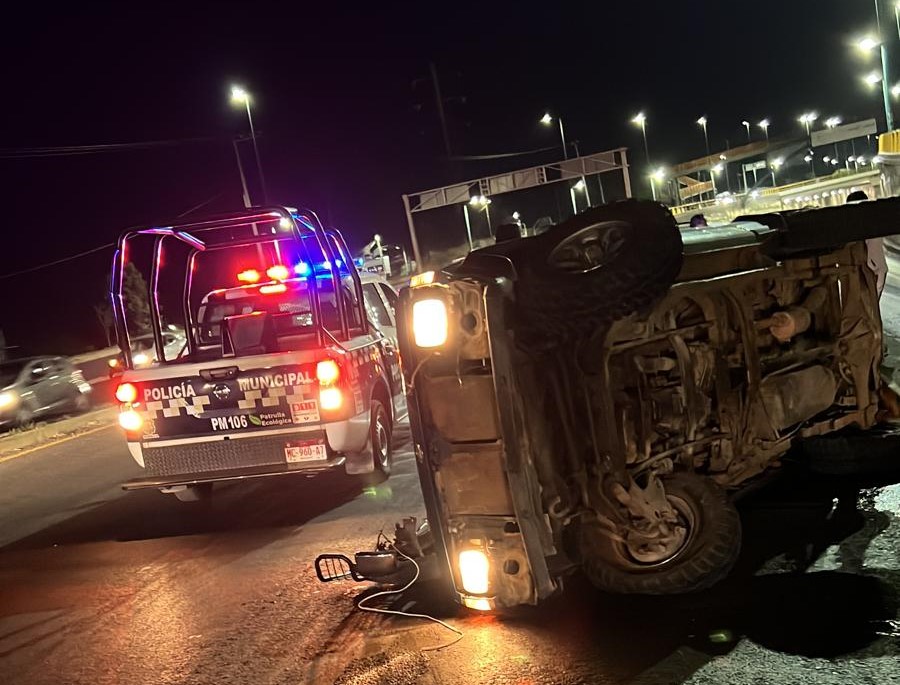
(705, 557)
(597, 267)
(380, 430)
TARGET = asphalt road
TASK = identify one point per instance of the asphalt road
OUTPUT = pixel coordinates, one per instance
(99, 586)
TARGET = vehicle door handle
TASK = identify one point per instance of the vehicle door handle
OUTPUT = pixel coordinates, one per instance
(219, 374)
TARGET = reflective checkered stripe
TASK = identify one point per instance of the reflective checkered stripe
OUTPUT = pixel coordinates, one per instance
(264, 398)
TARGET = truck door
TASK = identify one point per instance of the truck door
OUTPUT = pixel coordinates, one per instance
(383, 317)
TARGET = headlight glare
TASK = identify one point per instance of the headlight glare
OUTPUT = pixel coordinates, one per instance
(430, 322)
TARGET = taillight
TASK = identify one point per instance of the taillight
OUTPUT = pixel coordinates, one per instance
(130, 420)
(249, 276)
(328, 372)
(330, 398)
(126, 393)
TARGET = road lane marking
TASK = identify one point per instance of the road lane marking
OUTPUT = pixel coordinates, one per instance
(54, 443)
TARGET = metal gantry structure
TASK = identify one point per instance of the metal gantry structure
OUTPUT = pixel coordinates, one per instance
(478, 191)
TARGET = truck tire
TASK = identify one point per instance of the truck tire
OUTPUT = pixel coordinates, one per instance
(380, 431)
(597, 267)
(871, 452)
(710, 548)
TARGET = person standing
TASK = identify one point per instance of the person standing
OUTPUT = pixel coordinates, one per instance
(874, 246)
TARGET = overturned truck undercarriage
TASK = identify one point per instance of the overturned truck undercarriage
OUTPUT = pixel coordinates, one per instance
(601, 388)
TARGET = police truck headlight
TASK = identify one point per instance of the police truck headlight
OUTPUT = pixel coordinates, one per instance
(8, 400)
(474, 571)
(430, 322)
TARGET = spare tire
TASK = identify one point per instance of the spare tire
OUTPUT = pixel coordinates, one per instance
(599, 266)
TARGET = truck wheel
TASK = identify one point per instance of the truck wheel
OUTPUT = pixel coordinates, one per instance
(701, 557)
(871, 452)
(380, 436)
(597, 267)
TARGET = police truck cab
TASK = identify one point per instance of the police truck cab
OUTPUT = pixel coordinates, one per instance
(284, 367)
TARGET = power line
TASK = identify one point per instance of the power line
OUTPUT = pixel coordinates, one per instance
(70, 258)
(70, 150)
(57, 261)
(502, 155)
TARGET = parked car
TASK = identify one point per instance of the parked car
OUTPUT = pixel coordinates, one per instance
(40, 386)
(143, 353)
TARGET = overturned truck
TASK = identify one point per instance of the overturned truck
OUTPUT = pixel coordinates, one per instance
(593, 397)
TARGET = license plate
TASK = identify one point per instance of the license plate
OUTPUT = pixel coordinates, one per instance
(311, 452)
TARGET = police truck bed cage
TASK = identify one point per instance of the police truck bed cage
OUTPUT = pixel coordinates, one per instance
(256, 226)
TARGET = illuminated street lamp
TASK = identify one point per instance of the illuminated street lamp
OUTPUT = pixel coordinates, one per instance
(580, 186)
(701, 122)
(807, 120)
(867, 44)
(872, 79)
(640, 119)
(746, 125)
(832, 122)
(239, 96)
(547, 120)
(776, 165)
(658, 176)
(764, 125)
(809, 159)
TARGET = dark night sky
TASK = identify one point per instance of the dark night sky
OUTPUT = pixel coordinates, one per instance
(335, 102)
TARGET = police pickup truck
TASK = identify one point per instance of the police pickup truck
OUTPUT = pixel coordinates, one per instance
(289, 363)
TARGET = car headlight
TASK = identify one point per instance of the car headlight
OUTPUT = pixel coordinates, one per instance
(430, 322)
(474, 571)
(8, 399)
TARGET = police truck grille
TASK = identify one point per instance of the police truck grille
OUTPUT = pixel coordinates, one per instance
(221, 455)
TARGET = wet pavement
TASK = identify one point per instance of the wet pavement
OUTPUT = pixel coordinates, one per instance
(99, 586)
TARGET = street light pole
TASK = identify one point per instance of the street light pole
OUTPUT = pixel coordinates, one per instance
(764, 125)
(747, 126)
(237, 156)
(885, 77)
(641, 120)
(240, 95)
(562, 137)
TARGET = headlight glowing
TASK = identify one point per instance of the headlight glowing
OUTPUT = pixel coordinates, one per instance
(474, 571)
(330, 398)
(130, 420)
(113, 363)
(429, 319)
(8, 399)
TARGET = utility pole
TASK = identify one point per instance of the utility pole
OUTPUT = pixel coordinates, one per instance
(439, 102)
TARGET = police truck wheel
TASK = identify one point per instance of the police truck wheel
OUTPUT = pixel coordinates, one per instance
(597, 267)
(702, 551)
(380, 434)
